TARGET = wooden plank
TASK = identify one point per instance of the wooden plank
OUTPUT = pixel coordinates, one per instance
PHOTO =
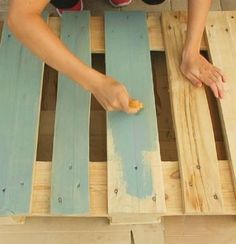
(98, 36)
(194, 133)
(98, 189)
(221, 28)
(200, 229)
(70, 179)
(135, 183)
(20, 95)
(228, 4)
(12, 220)
(177, 5)
(141, 236)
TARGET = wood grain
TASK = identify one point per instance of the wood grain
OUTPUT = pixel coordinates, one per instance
(70, 178)
(135, 183)
(98, 189)
(221, 29)
(20, 95)
(193, 128)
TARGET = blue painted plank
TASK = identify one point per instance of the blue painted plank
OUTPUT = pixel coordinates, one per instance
(135, 182)
(70, 183)
(20, 95)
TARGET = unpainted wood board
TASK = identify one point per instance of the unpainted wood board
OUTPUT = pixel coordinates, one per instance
(193, 128)
(98, 189)
(20, 95)
(142, 236)
(228, 4)
(70, 180)
(200, 229)
(135, 183)
(221, 36)
(177, 5)
(67, 237)
(98, 35)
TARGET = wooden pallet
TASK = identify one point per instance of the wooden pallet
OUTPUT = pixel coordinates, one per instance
(133, 185)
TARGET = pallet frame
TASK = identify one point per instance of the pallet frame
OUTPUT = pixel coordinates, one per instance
(98, 189)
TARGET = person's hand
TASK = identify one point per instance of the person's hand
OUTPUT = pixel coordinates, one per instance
(198, 70)
(113, 96)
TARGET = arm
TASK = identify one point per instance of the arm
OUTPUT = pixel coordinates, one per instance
(194, 66)
(25, 22)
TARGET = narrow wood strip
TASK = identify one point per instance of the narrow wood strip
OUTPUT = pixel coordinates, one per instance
(70, 179)
(20, 95)
(194, 133)
(98, 189)
(135, 183)
(98, 35)
(221, 36)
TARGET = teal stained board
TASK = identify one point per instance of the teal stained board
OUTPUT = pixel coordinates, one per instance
(70, 184)
(135, 182)
(20, 95)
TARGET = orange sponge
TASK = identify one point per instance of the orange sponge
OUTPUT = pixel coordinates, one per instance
(136, 104)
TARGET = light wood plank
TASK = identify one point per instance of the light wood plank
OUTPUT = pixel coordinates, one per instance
(70, 181)
(98, 36)
(20, 95)
(228, 4)
(194, 133)
(141, 236)
(221, 36)
(135, 183)
(98, 189)
(177, 5)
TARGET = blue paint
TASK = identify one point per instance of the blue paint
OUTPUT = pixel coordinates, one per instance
(128, 60)
(70, 178)
(20, 93)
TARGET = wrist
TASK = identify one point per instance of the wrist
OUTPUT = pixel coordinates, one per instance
(94, 82)
(190, 53)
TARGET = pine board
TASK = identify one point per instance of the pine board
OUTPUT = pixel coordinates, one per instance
(70, 195)
(200, 178)
(135, 182)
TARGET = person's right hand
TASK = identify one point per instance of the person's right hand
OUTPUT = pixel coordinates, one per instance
(113, 96)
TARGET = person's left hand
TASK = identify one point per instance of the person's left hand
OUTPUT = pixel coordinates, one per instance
(198, 70)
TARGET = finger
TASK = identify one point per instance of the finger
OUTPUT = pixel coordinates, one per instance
(132, 110)
(219, 83)
(195, 80)
(221, 73)
(214, 89)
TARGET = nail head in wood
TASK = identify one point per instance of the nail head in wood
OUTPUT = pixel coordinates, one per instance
(215, 196)
(60, 200)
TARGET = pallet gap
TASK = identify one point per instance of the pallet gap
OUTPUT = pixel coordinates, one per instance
(166, 131)
(98, 129)
(47, 114)
(216, 123)
(1, 29)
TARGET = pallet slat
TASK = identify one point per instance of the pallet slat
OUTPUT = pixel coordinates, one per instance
(20, 95)
(135, 183)
(221, 36)
(70, 194)
(194, 133)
